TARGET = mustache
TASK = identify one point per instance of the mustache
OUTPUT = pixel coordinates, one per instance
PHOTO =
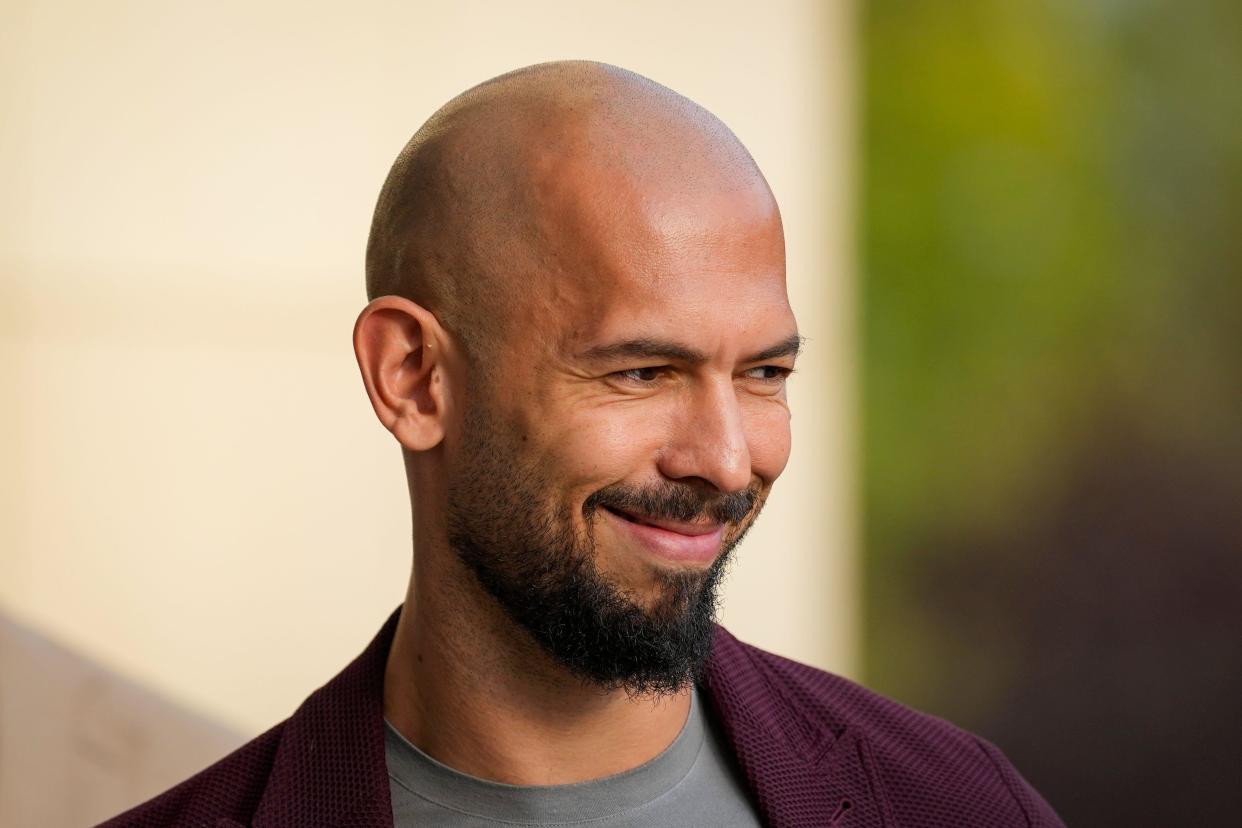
(675, 501)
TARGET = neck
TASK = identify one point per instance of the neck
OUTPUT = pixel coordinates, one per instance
(476, 693)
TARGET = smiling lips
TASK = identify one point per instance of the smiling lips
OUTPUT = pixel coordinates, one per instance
(672, 539)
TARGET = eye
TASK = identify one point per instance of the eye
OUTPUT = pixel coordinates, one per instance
(641, 376)
(771, 373)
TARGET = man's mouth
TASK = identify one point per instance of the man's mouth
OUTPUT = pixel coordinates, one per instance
(691, 528)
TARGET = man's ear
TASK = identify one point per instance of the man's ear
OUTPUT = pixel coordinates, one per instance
(402, 352)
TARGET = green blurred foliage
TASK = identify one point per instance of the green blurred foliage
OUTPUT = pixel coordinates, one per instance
(1051, 256)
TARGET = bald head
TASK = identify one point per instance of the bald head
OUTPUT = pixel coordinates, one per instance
(579, 326)
(484, 197)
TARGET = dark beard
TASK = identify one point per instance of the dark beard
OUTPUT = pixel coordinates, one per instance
(545, 578)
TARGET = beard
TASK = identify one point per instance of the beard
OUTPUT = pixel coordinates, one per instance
(526, 554)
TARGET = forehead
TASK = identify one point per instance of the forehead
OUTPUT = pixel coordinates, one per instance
(679, 256)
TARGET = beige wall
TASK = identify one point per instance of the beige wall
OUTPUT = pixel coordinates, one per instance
(193, 489)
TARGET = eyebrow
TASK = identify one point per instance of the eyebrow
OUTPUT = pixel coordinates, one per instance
(647, 348)
(789, 346)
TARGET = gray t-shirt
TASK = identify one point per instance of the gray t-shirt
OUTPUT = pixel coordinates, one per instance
(693, 782)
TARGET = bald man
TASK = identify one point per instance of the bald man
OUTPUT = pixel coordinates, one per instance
(579, 334)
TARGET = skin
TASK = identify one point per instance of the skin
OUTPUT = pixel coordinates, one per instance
(622, 238)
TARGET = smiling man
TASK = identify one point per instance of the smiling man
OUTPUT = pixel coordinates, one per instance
(579, 335)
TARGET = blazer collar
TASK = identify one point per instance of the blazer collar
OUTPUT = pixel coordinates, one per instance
(330, 767)
(800, 770)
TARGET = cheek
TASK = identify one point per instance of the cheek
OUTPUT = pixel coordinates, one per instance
(588, 447)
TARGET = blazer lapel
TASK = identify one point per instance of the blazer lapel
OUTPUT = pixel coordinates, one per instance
(800, 773)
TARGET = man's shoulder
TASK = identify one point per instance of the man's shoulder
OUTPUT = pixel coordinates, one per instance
(835, 703)
(222, 794)
(922, 762)
(322, 764)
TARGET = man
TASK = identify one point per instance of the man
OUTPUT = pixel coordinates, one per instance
(579, 334)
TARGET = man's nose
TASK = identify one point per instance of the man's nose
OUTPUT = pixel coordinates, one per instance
(709, 440)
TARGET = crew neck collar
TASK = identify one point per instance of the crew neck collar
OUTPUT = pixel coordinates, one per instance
(417, 772)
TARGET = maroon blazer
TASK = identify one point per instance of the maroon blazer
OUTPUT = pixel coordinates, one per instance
(815, 749)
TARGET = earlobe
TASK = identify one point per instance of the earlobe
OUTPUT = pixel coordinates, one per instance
(399, 348)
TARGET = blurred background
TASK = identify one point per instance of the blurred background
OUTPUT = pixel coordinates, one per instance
(1014, 499)
(1051, 304)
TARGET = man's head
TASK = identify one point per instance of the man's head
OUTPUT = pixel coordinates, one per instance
(580, 329)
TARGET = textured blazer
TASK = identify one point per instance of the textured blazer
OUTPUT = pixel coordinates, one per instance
(815, 749)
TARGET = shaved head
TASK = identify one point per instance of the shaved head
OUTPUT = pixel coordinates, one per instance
(472, 215)
(579, 329)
